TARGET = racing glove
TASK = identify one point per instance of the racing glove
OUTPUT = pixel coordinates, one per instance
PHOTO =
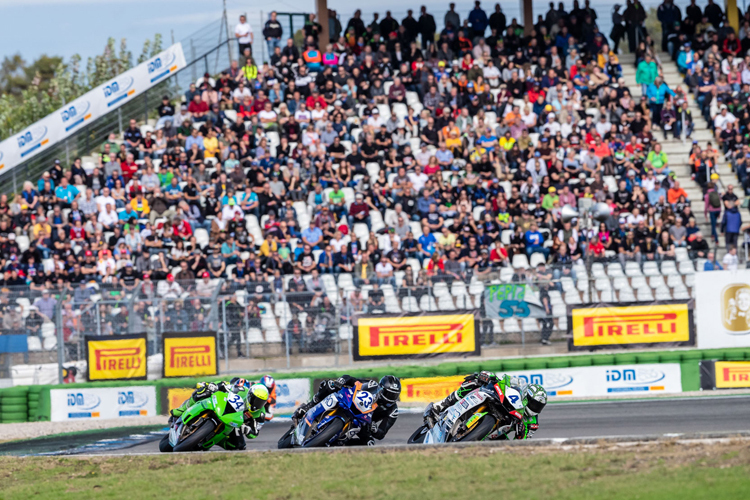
(250, 429)
(204, 390)
(486, 377)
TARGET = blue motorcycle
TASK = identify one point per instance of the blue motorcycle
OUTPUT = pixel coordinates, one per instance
(336, 419)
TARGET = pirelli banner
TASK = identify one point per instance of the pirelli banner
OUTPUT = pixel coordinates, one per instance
(657, 324)
(122, 357)
(725, 375)
(415, 336)
(189, 354)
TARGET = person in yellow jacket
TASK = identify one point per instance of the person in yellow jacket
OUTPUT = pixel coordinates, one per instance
(140, 205)
(250, 70)
(211, 145)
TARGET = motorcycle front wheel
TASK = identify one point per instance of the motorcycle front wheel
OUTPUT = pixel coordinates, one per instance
(334, 427)
(481, 431)
(193, 441)
(164, 445)
(418, 436)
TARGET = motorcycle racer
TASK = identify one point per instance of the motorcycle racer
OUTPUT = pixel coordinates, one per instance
(383, 417)
(534, 398)
(270, 384)
(254, 417)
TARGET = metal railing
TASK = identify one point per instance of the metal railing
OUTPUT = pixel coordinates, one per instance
(263, 320)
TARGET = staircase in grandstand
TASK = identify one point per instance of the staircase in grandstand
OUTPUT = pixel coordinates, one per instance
(679, 151)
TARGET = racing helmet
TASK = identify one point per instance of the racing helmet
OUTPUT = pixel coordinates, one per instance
(269, 382)
(390, 390)
(534, 399)
(238, 384)
(257, 397)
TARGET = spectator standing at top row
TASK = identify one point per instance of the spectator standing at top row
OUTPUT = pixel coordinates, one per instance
(272, 31)
(244, 35)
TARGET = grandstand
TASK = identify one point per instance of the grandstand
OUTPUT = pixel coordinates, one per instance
(274, 203)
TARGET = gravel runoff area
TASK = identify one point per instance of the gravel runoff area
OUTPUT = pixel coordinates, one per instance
(30, 430)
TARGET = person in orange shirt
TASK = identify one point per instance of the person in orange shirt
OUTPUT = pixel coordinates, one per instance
(601, 148)
(512, 116)
(675, 192)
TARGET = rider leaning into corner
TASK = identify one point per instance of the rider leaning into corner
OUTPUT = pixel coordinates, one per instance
(270, 384)
(254, 415)
(534, 399)
(383, 417)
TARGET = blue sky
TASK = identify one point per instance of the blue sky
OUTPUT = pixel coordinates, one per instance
(67, 27)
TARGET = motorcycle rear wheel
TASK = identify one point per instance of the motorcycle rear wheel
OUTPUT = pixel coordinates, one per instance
(286, 440)
(321, 438)
(192, 442)
(481, 431)
(164, 445)
(418, 436)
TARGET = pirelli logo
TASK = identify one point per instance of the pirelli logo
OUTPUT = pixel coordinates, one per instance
(415, 336)
(631, 324)
(732, 374)
(190, 355)
(116, 358)
(597, 326)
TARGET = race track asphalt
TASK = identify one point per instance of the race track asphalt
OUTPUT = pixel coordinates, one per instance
(578, 420)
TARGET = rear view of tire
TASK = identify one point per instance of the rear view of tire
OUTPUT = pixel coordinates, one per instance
(164, 445)
(192, 442)
(418, 436)
(286, 440)
(334, 427)
(481, 431)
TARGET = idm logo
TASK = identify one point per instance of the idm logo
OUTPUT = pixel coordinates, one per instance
(76, 111)
(154, 65)
(158, 64)
(31, 137)
(133, 399)
(118, 86)
(83, 401)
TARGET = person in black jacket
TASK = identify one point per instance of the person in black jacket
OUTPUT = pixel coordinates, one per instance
(272, 32)
(427, 28)
(383, 417)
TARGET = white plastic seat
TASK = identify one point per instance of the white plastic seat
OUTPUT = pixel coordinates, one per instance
(633, 269)
(690, 280)
(572, 297)
(626, 295)
(681, 293)
(656, 282)
(675, 280)
(686, 267)
(602, 284)
(536, 259)
(392, 305)
(644, 295)
(445, 303)
(638, 282)
(34, 343)
(607, 296)
(663, 293)
(614, 270)
(49, 343)
(681, 254)
(567, 284)
(463, 302)
(520, 261)
(597, 270)
(668, 267)
(346, 332)
(650, 268)
(620, 283)
(559, 310)
(409, 304)
(48, 330)
(530, 325)
(427, 303)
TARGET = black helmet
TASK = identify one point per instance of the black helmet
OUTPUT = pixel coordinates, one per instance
(390, 390)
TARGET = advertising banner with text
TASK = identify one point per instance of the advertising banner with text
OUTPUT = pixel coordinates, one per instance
(725, 375)
(102, 404)
(724, 301)
(657, 324)
(418, 336)
(121, 357)
(94, 104)
(190, 354)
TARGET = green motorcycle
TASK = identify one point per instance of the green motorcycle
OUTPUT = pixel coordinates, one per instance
(208, 422)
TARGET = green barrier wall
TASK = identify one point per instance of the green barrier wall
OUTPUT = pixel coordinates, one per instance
(39, 400)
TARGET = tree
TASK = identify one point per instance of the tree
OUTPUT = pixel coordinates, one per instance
(30, 92)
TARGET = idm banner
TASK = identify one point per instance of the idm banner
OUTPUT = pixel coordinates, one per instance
(101, 404)
(94, 104)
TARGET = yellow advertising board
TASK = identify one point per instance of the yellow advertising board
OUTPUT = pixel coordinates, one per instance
(732, 374)
(190, 354)
(647, 324)
(415, 336)
(116, 358)
(428, 389)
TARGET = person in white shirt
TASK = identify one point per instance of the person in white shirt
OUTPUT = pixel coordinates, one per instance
(418, 178)
(528, 117)
(730, 260)
(169, 288)
(109, 218)
(552, 125)
(103, 200)
(244, 35)
(375, 120)
(603, 126)
(491, 74)
(724, 117)
(241, 92)
(303, 116)
(649, 182)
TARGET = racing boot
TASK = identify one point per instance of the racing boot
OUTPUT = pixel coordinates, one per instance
(302, 410)
(440, 407)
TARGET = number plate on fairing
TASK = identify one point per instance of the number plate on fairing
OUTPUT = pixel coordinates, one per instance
(471, 400)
